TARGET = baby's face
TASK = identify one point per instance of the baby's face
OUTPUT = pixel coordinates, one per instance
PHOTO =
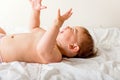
(69, 35)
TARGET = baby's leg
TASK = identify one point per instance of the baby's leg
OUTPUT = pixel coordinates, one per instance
(2, 31)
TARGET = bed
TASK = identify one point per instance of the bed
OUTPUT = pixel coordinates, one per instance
(104, 66)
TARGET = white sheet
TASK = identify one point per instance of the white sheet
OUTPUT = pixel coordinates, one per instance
(105, 66)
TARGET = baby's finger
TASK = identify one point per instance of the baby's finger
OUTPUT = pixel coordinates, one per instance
(39, 2)
(70, 14)
(69, 11)
(59, 14)
(43, 7)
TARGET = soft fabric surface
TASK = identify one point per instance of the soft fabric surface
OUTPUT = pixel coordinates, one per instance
(104, 66)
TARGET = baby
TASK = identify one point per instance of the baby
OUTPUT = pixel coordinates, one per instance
(40, 46)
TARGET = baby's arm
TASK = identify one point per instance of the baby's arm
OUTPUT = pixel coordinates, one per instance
(35, 14)
(48, 41)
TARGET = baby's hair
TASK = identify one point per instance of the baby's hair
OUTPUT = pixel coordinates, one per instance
(86, 45)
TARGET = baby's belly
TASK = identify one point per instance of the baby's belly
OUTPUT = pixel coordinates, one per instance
(16, 47)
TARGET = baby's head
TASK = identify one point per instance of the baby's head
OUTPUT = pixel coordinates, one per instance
(75, 42)
(85, 43)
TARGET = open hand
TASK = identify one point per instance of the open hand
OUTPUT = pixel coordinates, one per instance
(65, 16)
(37, 5)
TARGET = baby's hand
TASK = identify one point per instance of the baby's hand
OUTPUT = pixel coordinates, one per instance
(65, 16)
(37, 5)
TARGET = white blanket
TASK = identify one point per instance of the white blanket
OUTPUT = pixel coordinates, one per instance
(105, 66)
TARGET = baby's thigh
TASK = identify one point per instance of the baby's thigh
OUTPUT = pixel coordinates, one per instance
(2, 31)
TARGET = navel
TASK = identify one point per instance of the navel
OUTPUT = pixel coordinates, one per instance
(12, 36)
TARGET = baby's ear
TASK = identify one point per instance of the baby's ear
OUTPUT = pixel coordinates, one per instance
(73, 47)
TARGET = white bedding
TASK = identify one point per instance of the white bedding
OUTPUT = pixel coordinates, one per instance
(105, 66)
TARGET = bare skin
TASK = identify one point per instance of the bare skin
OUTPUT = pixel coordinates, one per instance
(39, 46)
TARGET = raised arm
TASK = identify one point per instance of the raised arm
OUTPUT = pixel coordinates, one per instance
(35, 14)
(47, 44)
